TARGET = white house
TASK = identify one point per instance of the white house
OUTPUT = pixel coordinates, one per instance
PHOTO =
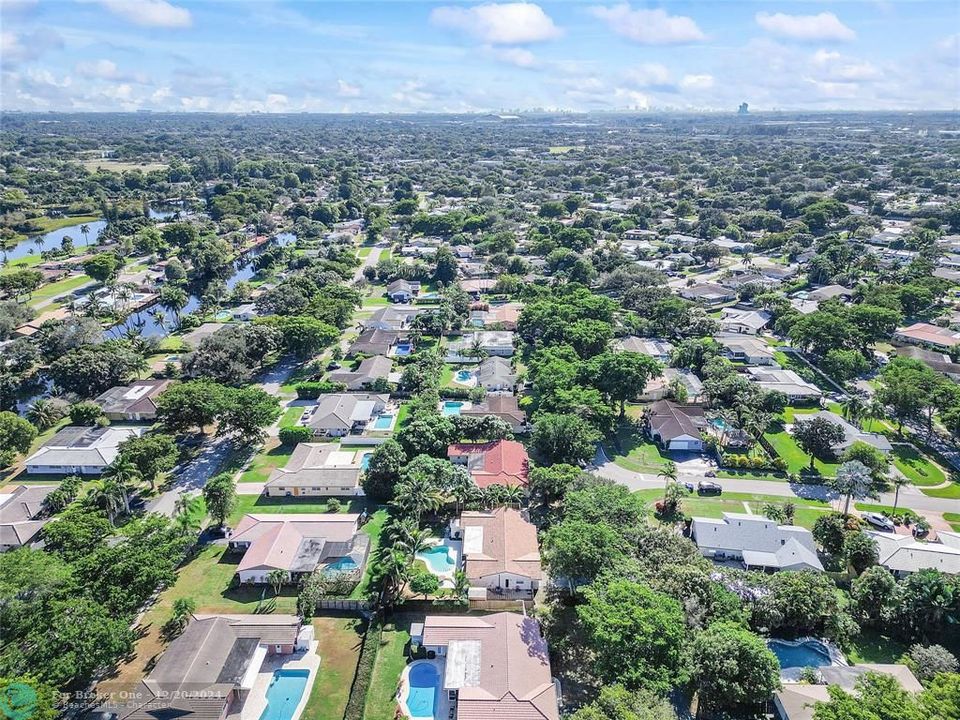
(902, 554)
(80, 450)
(339, 414)
(756, 541)
(495, 343)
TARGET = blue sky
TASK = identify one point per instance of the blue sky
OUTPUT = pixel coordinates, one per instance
(356, 56)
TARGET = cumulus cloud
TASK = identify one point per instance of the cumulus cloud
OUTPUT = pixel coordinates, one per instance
(648, 75)
(499, 23)
(150, 13)
(107, 70)
(412, 93)
(27, 46)
(520, 57)
(649, 27)
(346, 90)
(808, 28)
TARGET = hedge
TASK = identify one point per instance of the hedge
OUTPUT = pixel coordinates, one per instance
(313, 390)
(361, 681)
(295, 435)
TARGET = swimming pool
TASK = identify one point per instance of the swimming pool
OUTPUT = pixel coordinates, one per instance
(464, 375)
(383, 422)
(402, 349)
(365, 461)
(423, 683)
(341, 565)
(719, 423)
(440, 559)
(807, 653)
(452, 407)
(283, 694)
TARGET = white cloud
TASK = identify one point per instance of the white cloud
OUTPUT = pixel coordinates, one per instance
(499, 23)
(649, 27)
(107, 70)
(634, 99)
(28, 46)
(809, 28)
(696, 82)
(948, 49)
(520, 57)
(346, 90)
(150, 13)
(412, 93)
(648, 75)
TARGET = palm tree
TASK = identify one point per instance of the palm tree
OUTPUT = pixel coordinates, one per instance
(159, 319)
(418, 496)
(461, 585)
(853, 480)
(277, 578)
(85, 231)
(898, 481)
(854, 410)
(43, 414)
(108, 496)
(669, 475)
(173, 299)
(416, 542)
(512, 495)
(94, 307)
(463, 490)
(183, 609)
(38, 241)
(125, 474)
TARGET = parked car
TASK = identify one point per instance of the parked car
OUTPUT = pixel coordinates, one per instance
(333, 365)
(688, 486)
(881, 522)
(710, 473)
(708, 488)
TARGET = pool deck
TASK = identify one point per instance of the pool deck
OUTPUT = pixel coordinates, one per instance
(442, 703)
(256, 701)
(446, 578)
(792, 674)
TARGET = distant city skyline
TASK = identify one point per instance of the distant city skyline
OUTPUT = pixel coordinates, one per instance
(160, 55)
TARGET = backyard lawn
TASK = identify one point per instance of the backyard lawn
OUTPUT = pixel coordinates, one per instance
(871, 646)
(807, 511)
(262, 504)
(916, 467)
(339, 649)
(57, 288)
(636, 453)
(391, 659)
(797, 460)
(291, 416)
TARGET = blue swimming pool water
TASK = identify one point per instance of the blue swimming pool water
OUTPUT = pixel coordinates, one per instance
(438, 558)
(341, 565)
(809, 653)
(403, 349)
(383, 423)
(365, 461)
(452, 407)
(719, 423)
(464, 375)
(422, 699)
(283, 694)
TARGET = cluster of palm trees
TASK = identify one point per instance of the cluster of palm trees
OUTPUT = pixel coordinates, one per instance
(113, 491)
(858, 411)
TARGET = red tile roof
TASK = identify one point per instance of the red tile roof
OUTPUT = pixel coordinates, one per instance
(504, 462)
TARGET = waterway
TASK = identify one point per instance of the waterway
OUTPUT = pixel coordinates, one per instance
(53, 239)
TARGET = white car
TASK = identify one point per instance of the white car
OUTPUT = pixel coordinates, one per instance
(881, 522)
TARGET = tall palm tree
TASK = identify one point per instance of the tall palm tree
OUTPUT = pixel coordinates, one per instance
(159, 320)
(85, 231)
(854, 410)
(898, 481)
(418, 496)
(512, 495)
(277, 578)
(669, 475)
(415, 542)
(173, 299)
(108, 496)
(125, 474)
(464, 491)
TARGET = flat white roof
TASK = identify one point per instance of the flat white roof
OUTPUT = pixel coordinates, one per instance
(463, 664)
(473, 540)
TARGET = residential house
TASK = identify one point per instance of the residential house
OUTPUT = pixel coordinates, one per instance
(133, 402)
(76, 450)
(494, 666)
(743, 322)
(499, 550)
(797, 701)
(208, 671)
(499, 317)
(316, 469)
(402, 291)
(787, 382)
(656, 348)
(677, 427)
(244, 313)
(297, 544)
(902, 554)
(497, 343)
(20, 511)
(505, 407)
(760, 543)
(373, 341)
(708, 293)
(503, 462)
(852, 434)
(339, 414)
(368, 371)
(683, 240)
(936, 361)
(495, 374)
(396, 318)
(926, 334)
(739, 279)
(733, 246)
(829, 292)
(660, 388)
(478, 286)
(746, 349)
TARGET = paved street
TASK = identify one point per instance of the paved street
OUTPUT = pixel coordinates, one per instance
(191, 477)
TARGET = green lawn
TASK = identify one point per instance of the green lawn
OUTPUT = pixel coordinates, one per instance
(403, 416)
(797, 460)
(291, 416)
(916, 467)
(262, 504)
(950, 492)
(807, 511)
(953, 519)
(266, 462)
(391, 659)
(636, 453)
(58, 288)
(751, 475)
(49, 224)
(870, 646)
(373, 528)
(339, 649)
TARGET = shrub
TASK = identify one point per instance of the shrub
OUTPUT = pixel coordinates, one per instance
(361, 680)
(314, 389)
(295, 435)
(927, 662)
(333, 505)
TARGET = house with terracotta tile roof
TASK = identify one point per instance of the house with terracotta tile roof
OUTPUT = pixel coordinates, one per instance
(499, 549)
(495, 666)
(504, 462)
(297, 544)
(925, 334)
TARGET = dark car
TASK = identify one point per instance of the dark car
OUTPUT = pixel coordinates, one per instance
(333, 365)
(688, 486)
(708, 488)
